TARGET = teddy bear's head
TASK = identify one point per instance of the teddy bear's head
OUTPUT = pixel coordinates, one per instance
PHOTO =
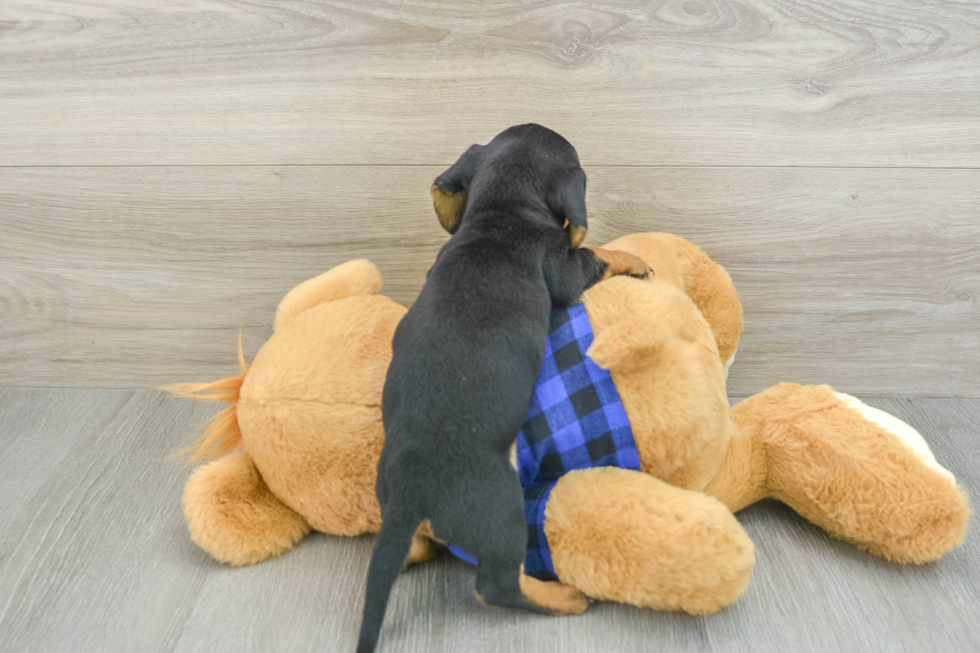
(683, 265)
(666, 342)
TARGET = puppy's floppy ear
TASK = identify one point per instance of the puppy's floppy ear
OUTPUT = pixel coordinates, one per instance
(450, 189)
(571, 207)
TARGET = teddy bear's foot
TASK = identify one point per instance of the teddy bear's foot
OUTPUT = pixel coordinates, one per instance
(861, 474)
(625, 536)
(233, 516)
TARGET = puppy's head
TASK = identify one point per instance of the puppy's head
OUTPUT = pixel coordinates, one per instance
(524, 165)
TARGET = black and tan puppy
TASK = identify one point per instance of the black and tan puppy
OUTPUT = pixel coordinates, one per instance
(465, 358)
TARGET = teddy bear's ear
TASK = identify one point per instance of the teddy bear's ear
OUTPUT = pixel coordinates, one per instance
(358, 277)
(451, 188)
(711, 289)
(627, 347)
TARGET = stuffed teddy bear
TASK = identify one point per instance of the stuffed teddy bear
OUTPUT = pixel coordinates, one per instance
(301, 441)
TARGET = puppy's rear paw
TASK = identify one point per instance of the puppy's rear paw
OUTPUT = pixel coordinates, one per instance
(425, 546)
(553, 597)
(574, 601)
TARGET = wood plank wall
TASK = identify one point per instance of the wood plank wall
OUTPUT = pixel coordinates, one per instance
(170, 171)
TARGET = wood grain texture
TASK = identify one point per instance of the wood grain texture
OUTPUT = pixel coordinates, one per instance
(678, 82)
(87, 563)
(95, 556)
(132, 277)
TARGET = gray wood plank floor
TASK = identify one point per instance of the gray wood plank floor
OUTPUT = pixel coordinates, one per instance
(94, 556)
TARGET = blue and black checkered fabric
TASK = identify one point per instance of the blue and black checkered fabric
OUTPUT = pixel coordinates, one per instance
(576, 420)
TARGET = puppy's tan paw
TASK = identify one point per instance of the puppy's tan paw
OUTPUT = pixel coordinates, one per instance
(425, 546)
(553, 597)
(622, 263)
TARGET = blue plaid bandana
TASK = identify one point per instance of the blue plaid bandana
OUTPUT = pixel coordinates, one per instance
(576, 420)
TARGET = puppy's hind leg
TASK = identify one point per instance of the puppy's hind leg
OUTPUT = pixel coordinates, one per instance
(552, 597)
(497, 584)
(499, 542)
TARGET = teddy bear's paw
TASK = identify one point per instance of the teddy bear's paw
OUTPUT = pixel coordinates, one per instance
(905, 433)
(932, 510)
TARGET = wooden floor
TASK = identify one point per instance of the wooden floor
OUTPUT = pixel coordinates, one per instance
(95, 556)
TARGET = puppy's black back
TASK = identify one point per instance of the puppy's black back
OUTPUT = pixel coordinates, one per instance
(466, 355)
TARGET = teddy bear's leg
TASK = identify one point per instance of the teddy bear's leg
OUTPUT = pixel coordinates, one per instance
(861, 474)
(358, 277)
(232, 515)
(626, 536)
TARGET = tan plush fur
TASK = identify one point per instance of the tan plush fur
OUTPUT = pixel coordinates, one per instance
(308, 415)
(231, 513)
(308, 420)
(683, 264)
(627, 536)
(666, 367)
(358, 277)
(850, 476)
(310, 407)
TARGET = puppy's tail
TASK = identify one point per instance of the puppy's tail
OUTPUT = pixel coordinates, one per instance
(390, 550)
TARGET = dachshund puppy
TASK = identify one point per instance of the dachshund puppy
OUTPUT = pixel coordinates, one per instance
(465, 359)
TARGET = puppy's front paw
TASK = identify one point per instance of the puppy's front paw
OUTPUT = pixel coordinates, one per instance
(622, 263)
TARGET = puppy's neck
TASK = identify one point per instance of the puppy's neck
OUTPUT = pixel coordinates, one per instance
(501, 214)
